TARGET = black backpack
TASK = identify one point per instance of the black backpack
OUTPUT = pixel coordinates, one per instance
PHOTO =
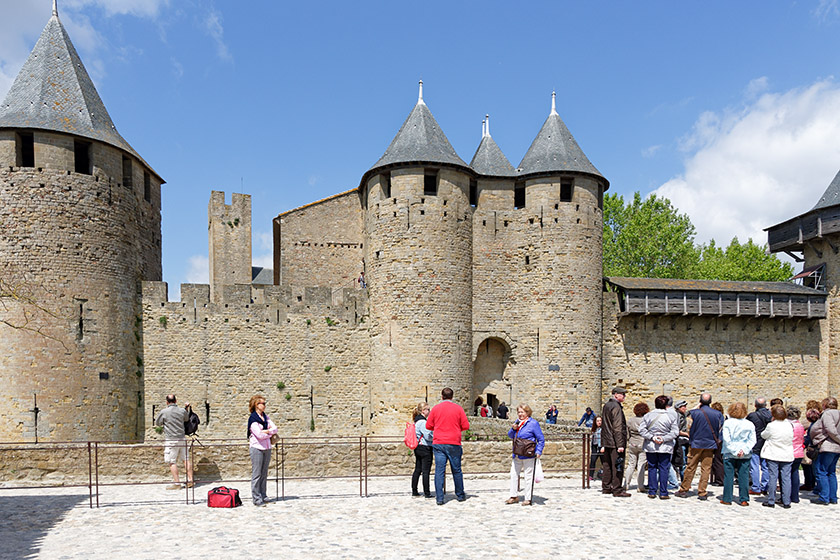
(191, 425)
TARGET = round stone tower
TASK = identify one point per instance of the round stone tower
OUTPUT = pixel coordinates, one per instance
(79, 231)
(563, 194)
(418, 253)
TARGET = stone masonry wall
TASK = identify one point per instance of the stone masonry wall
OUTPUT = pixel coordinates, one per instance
(220, 354)
(37, 465)
(537, 288)
(79, 245)
(321, 244)
(736, 359)
(418, 252)
(229, 232)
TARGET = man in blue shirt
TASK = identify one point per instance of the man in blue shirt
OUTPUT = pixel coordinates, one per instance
(703, 438)
(587, 418)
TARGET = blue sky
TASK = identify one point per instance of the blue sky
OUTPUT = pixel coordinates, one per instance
(730, 109)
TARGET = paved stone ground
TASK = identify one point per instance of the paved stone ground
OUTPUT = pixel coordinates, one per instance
(327, 518)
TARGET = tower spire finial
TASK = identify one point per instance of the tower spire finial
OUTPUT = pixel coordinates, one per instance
(553, 103)
(483, 128)
(487, 126)
(55, 8)
(420, 96)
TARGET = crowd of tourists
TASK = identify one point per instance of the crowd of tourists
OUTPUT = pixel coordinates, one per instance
(762, 451)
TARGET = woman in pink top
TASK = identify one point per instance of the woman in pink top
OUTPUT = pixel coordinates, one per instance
(793, 415)
(260, 430)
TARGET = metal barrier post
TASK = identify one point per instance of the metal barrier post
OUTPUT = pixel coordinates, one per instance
(276, 473)
(366, 467)
(283, 467)
(90, 475)
(96, 463)
(189, 471)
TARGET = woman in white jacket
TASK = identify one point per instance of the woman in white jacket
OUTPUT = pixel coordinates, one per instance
(778, 452)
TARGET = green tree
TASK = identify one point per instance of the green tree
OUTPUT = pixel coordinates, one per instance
(647, 238)
(738, 261)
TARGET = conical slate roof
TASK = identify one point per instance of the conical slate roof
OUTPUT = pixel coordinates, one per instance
(831, 196)
(489, 158)
(53, 91)
(555, 150)
(420, 139)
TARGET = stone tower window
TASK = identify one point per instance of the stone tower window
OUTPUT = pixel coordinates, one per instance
(127, 182)
(81, 151)
(430, 182)
(25, 149)
(519, 195)
(566, 190)
(386, 185)
(473, 192)
(147, 186)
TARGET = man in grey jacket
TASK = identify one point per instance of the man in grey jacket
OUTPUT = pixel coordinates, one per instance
(172, 420)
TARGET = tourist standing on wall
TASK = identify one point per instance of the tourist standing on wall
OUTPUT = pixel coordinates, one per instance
(635, 447)
(703, 438)
(758, 465)
(551, 415)
(423, 451)
(172, 420)
(502, 411)
(660, 429)
(614, 442)
(527, 429)
(447, 420)
(738, 439)
(260, 430)
(587, 418)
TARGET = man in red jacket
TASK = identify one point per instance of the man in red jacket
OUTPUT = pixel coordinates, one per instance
(447, 420)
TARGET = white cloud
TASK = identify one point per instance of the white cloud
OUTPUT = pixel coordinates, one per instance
(751, 168)
(757, 87)
(199, 270)
(650, 151)
(20, 26)
(264, 260)
(827, 10)
(213, 26)
(139, 8)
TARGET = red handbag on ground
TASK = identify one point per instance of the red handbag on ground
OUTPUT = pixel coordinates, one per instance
(223, 497)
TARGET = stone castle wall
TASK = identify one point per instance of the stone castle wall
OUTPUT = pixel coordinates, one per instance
(220, 354)
(79, 244)
(321, 244)
(418, 252)
(736, 359)
(537, 290)
(229, 236)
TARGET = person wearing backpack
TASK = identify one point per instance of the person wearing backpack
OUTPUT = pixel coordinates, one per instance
(423, 451)
(172, 419)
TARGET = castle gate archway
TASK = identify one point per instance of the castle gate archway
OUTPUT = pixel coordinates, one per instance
(491, 360)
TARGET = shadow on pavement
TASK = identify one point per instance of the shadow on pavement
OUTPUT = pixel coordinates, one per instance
(26, 520)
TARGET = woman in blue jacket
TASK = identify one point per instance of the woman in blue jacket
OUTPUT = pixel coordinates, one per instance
(528, 429)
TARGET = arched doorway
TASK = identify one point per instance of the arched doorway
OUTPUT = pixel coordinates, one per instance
(491, 359)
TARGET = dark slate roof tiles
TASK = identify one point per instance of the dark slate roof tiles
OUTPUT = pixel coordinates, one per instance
(53, 91)
(672, 284)
(831, 196)
(555, 150)
(490, 160)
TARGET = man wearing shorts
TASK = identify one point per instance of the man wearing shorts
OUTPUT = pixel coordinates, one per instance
(172, 419)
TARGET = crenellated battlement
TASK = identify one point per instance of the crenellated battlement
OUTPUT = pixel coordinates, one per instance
(257, 304)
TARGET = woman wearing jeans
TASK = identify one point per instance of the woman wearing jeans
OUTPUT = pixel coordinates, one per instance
(260, 430)
(826, 433)
(778, 452)
(738, 440)
(659, 428)
(423, 451)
